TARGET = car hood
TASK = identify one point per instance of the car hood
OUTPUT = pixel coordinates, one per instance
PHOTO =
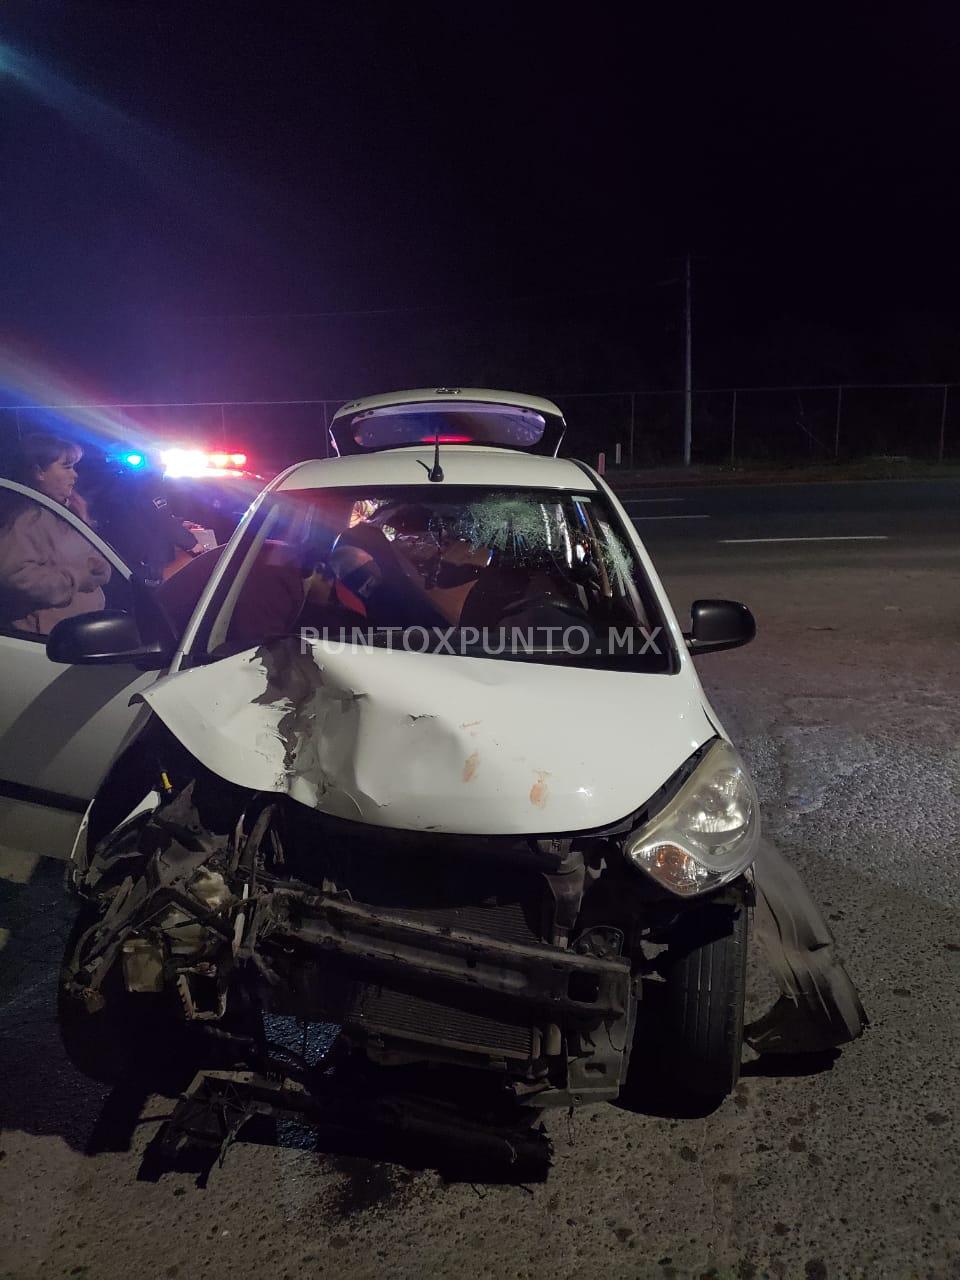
(428, 742)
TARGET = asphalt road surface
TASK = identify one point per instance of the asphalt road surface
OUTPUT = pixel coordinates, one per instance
(847, 708)
(805, 519)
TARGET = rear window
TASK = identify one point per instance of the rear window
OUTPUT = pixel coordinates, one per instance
(467, 422)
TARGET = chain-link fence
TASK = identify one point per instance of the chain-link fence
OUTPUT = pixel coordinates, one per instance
(768, 424)
(631, 428)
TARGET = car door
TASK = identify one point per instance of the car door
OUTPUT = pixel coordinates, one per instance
(60, 725)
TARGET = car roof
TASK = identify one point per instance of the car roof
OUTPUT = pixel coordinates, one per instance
(462, 464)
(481, 395)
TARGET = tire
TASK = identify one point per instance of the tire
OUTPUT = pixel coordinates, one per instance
(705, 988)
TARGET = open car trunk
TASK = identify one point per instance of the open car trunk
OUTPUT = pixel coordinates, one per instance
(448, 415)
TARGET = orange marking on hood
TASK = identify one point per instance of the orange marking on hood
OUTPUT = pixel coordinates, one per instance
(471, 765)
(539, 792)
(469, 724)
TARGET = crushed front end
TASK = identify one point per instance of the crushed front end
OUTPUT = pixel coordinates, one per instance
(465, 951)
(459, 950)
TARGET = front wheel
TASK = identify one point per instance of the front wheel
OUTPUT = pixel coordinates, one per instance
(705, 989)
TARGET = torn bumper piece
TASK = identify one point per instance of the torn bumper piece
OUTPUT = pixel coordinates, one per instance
(218, 1104)
(819, 1008)
(365, 949)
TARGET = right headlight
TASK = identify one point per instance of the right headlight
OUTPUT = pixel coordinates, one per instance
(708, 832)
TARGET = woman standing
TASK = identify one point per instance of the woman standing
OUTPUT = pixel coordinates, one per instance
(48, 569)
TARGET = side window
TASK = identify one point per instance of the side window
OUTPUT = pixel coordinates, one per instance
(49, 570)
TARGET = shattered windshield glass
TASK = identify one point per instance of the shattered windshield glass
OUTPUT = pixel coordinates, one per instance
(540, 575)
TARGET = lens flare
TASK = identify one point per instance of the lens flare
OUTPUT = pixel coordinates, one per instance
(193, 464)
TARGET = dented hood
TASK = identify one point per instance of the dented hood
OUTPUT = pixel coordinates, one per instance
(429, 742)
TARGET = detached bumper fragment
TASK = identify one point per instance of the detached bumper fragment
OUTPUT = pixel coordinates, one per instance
(819, 1008)
(218, 1104)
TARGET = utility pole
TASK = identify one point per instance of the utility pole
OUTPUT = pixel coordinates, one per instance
(687, 369)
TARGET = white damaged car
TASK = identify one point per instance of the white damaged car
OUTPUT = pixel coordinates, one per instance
(427, 758)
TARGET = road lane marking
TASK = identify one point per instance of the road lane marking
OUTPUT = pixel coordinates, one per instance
(636, 519)
(839, 537)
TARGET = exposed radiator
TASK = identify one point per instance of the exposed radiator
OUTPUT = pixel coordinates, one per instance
(434, 884)
(380, 1008)
(413, 1017)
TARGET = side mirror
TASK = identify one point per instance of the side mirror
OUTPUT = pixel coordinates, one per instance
(109, 636)
(719, 624)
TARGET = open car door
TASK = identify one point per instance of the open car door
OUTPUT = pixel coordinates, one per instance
(60, 725)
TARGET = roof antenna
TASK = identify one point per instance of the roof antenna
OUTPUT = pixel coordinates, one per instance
(434, 473)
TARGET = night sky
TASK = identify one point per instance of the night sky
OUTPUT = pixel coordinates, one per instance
(190, 190)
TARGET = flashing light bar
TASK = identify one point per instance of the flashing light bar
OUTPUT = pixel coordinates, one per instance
(446, 439)
(195, 463)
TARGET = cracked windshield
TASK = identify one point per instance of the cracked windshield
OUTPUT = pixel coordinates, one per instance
(541, 575)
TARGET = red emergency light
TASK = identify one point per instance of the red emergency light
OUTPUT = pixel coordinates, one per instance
(195, 463)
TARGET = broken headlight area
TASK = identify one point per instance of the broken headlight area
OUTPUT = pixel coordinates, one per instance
(525, 969)
(508, 955)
